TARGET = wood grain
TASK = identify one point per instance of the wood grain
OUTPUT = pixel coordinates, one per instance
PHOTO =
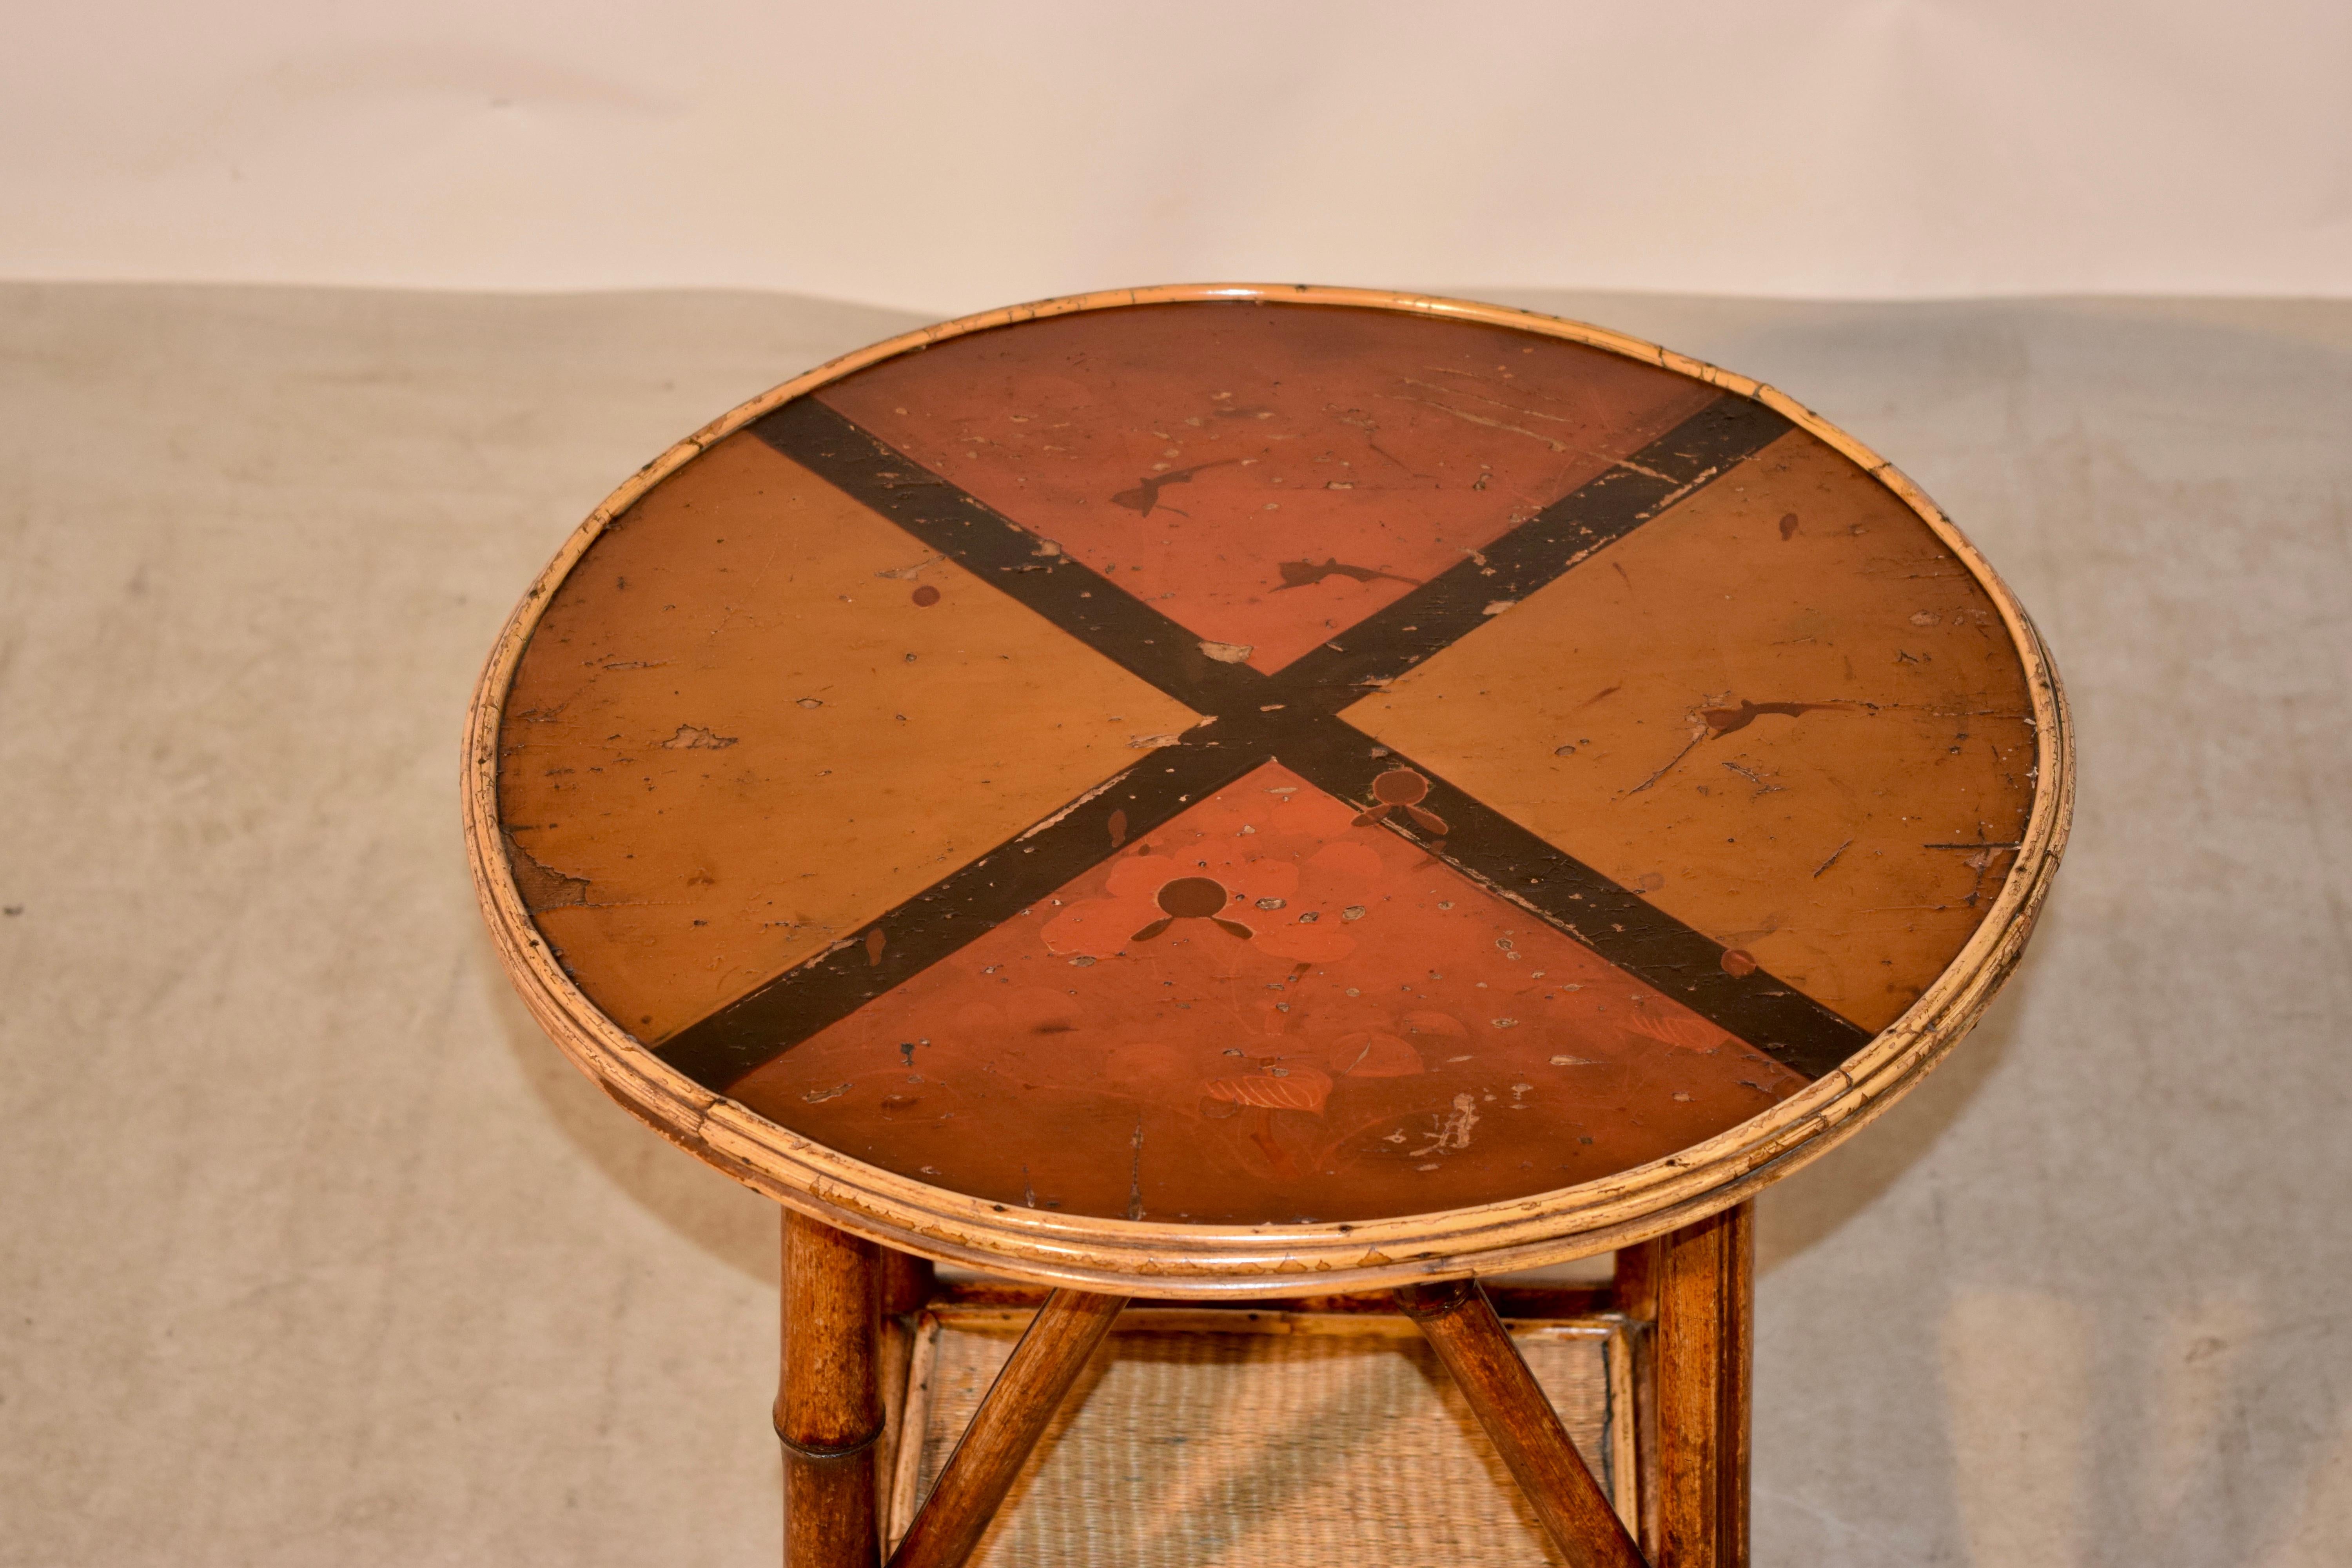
(908, 1283)
(1462, 1327)
(1704, 1358)
(1634, 1291)
(1634, 1284)
(1051, 1354)
(829, 1408)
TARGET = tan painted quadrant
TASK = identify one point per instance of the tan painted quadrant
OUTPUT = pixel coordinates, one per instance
(757, 715)
(1784, 711)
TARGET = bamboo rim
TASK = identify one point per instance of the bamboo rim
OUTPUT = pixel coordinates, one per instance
(1186, 1261)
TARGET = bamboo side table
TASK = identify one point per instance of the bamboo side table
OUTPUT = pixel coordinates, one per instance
(1226, 793)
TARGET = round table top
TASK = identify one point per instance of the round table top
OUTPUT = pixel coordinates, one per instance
(1212, 784)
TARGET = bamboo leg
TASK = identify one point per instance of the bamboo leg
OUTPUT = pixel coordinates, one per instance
(907, 1285)
(1635, 1289)
(1461, 1325)
(1705, 1339)
(1634, 1284)
(1005, 1427)
(908, 1282)
(829, 1406)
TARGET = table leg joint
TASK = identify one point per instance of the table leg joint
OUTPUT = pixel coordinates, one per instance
(826, 1453)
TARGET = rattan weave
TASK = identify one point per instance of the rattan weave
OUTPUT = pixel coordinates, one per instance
(1259, 1450)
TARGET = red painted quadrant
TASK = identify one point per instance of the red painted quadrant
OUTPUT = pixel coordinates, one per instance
(1265, 1013)
(1266, 477)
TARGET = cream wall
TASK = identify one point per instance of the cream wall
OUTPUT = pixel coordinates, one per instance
(949, 157)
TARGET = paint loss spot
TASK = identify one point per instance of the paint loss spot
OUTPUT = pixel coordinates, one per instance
(1722, 722)
(542, 885)
(1307, 573)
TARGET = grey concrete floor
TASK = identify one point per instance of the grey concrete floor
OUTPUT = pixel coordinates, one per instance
(312, 1250)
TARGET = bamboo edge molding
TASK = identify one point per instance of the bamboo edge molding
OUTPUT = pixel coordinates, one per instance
(1265, 1260)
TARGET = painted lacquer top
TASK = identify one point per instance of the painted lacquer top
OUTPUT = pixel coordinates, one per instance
(1232, 761)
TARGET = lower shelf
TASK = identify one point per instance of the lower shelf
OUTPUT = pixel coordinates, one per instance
(1229, 1436)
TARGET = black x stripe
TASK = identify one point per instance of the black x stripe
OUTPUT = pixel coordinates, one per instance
(1290, 715)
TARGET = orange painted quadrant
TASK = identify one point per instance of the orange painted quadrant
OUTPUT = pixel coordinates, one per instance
(1366, 1033)
(1266, 477)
